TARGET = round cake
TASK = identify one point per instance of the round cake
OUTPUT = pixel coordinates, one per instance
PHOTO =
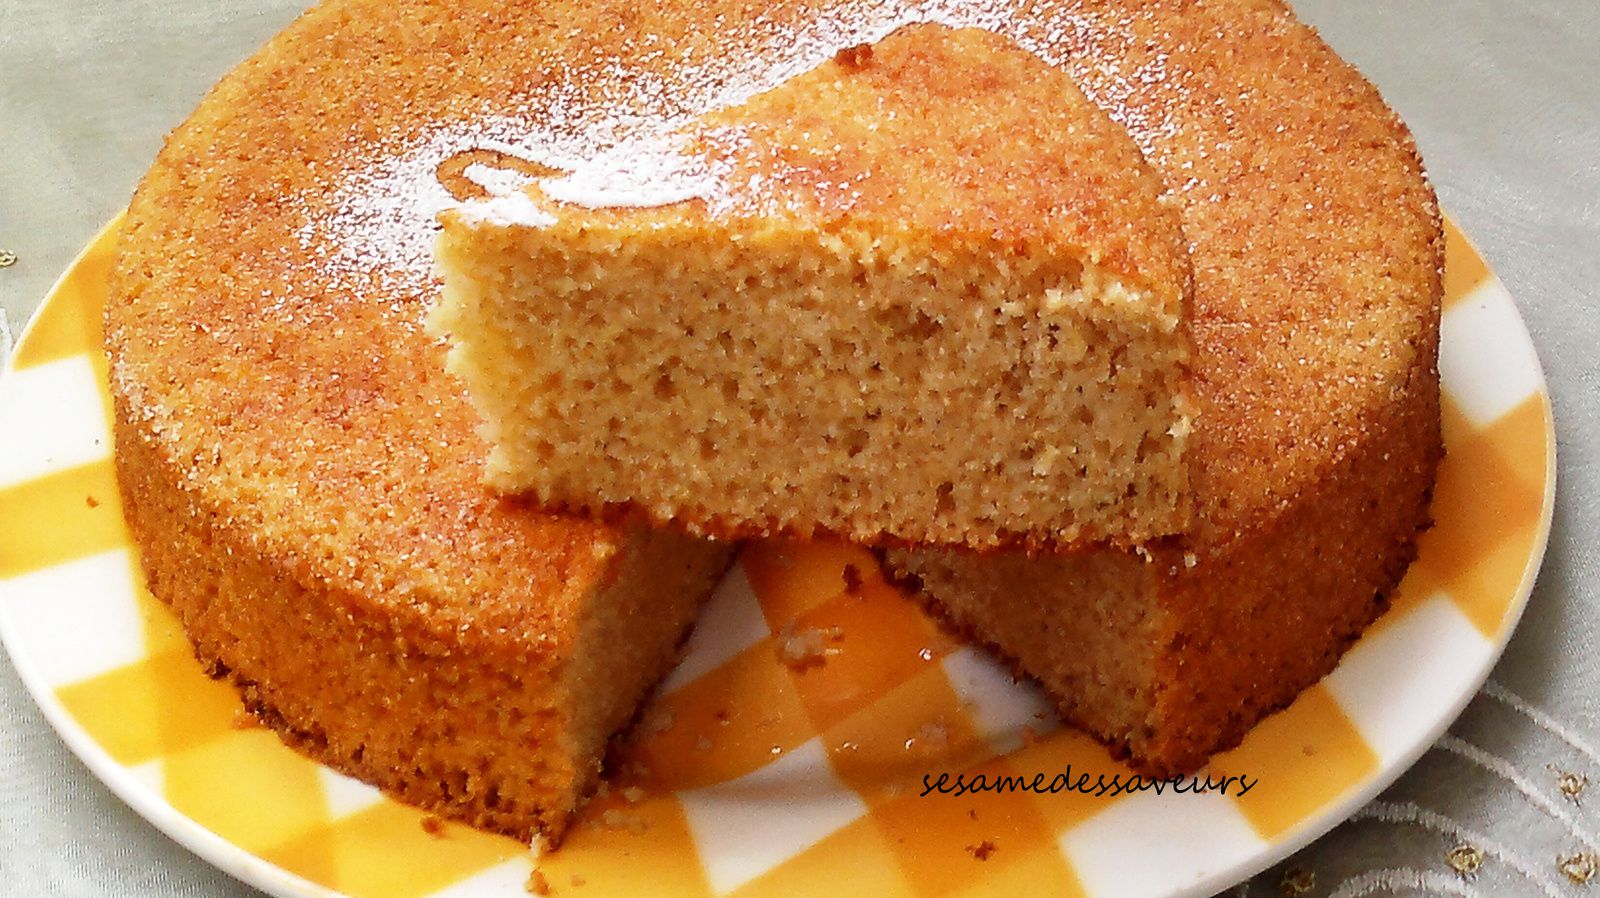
(304, 478)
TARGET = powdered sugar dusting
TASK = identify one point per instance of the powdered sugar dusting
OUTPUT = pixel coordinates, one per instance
(609, 131)
(498, 181)
(515, 208)
(653, 171)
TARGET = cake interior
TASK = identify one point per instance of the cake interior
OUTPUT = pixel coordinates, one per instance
(907, 408)
(1091, 634)
(499, 717)
(625, 641)
(842, 330)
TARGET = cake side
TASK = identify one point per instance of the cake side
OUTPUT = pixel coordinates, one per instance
(1272, 615)
(1312, 227)
(882, 302)
(302, 477)
(1087, 626)
(503, 730)
(631, 636)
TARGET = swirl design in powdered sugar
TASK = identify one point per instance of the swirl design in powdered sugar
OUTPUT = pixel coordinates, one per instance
(381, 222)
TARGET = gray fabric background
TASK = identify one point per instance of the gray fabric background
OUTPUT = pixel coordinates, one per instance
(1505, 101)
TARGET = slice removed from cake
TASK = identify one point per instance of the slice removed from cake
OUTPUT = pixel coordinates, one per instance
(924, 293)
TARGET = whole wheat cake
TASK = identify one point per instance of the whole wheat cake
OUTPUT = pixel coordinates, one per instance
(305, 481)
(925, 293)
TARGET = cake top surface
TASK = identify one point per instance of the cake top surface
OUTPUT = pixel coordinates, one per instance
(266, 319)
(934, 132)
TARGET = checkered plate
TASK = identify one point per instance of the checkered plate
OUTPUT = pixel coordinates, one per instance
(753, 775)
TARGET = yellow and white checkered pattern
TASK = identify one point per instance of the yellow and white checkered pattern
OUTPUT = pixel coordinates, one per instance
(755, 776)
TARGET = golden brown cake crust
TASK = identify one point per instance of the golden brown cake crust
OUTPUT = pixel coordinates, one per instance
(933, 296)
(1072, 188)
(284, 428)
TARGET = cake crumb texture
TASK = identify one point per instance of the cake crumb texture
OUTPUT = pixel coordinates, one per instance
(925, 293)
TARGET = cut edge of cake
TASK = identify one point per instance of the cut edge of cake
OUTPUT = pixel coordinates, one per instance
(501, 727)
(755, 361)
